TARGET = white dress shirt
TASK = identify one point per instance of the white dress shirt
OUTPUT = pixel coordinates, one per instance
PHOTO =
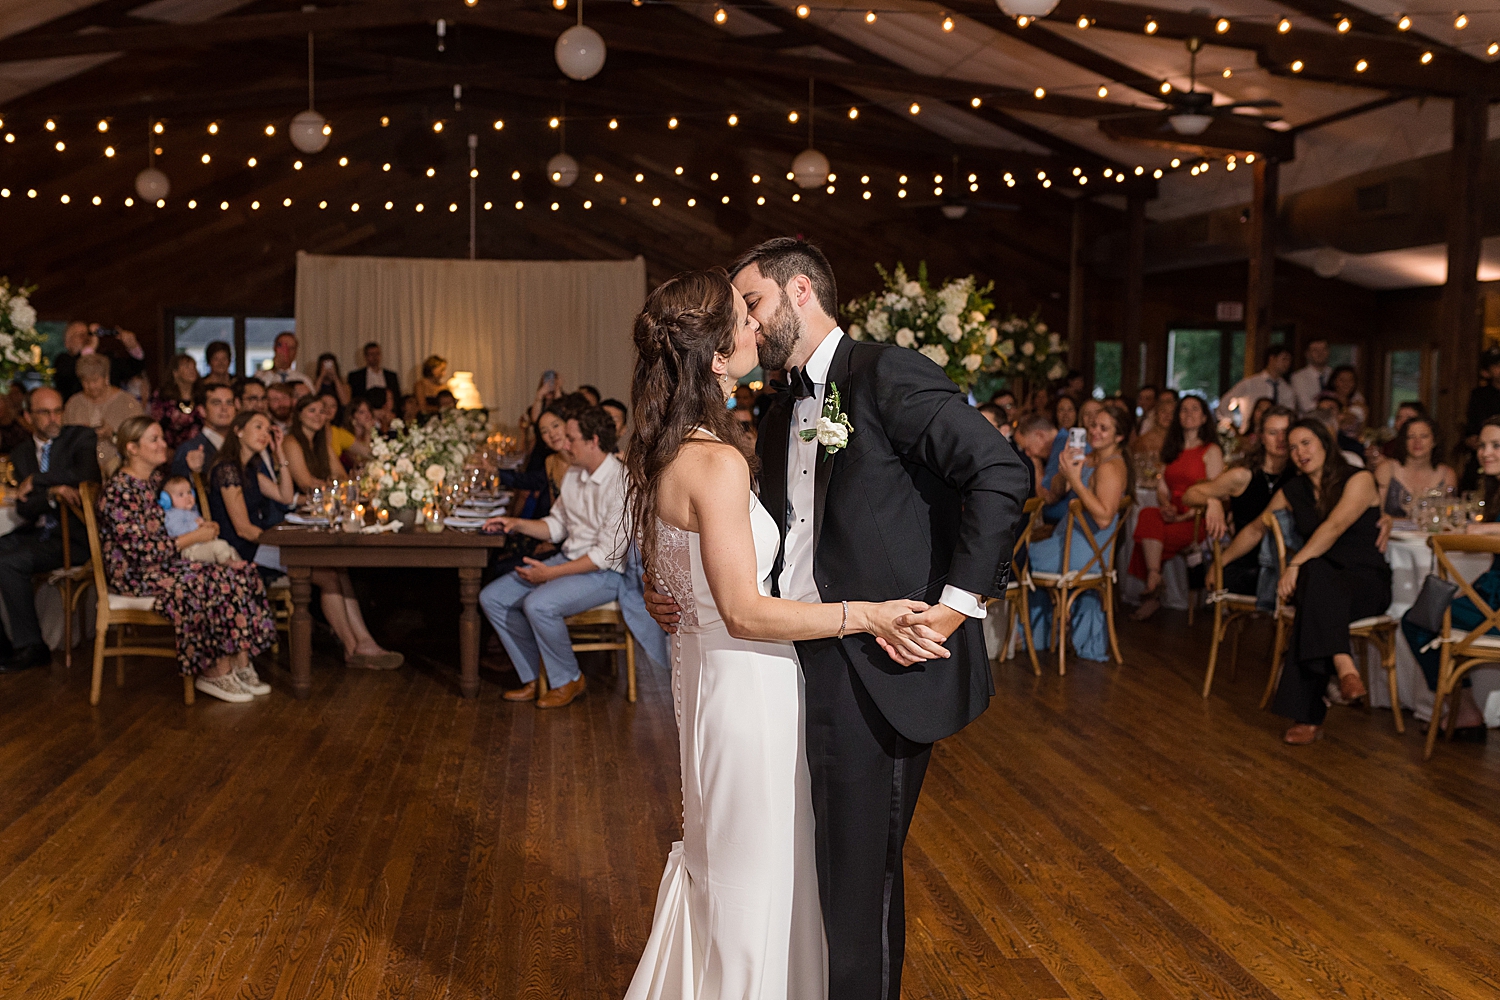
(1306, 384)
(1243, 396)
(589, 516)
(281, 376)
(796, 582)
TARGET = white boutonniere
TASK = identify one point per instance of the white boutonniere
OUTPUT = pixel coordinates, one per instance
(833, 429)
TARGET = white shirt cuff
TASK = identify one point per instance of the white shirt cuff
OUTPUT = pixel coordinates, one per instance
(963, 602)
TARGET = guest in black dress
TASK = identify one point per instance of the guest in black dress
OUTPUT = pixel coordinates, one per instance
(1338, 577)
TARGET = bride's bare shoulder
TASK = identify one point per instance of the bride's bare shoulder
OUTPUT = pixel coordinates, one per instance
(705, 460)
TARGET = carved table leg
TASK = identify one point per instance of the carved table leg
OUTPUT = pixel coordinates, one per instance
(468, 631)
(301, 630)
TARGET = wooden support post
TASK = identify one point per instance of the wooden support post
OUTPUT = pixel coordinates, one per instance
(1267, 175)
(1131, 375)
(1076, 350)
(1460, 327)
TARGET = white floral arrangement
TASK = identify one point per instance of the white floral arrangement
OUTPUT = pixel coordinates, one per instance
(20, 343)
(409, 470)
(1029, 352)
(951, 325)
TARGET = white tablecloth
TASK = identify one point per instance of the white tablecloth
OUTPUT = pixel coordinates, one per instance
(1411, 560)
(49, 607)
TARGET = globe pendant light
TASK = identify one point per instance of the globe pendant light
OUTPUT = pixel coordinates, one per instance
(562, 169)
(151, 184)
(1190, 124)
(309, 131)
(579, 50)
(810, 168)
(1027, 8)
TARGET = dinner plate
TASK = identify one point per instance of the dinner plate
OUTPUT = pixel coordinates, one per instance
(460, 521)
(305, 521)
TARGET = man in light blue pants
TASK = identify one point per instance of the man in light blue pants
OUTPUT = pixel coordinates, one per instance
(528, 607)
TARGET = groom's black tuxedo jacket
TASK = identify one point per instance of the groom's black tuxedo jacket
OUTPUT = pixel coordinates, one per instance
(926, 493)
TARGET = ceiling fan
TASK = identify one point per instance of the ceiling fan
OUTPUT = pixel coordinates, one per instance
(1192, 111)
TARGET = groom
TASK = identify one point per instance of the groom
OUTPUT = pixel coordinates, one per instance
(922, 502)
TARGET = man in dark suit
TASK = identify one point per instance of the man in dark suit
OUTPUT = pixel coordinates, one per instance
(216, 408)
(50, 464)
(373, 376)
(921, 501)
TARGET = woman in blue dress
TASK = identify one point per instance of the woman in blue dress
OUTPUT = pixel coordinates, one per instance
(1099, 479)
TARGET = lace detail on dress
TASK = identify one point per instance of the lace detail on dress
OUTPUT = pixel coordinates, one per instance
(675, 559)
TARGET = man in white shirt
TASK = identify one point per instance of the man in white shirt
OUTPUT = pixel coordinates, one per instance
(1311, 379)
(1270, 384)
(283, 366)
(530, 605)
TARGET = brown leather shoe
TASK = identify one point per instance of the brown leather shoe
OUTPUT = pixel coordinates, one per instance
(1352, 687)
(526, 692)
(1302, 734)
(560, 696)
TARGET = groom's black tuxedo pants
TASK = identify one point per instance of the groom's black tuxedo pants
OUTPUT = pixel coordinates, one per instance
(865, 782)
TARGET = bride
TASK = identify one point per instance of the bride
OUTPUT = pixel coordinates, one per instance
(737, 914)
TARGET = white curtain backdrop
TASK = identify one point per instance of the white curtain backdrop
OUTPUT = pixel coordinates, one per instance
(506, 321)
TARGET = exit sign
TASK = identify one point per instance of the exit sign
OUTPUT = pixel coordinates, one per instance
(1230, 312)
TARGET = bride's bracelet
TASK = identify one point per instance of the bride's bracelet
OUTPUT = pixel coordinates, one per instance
(845, 623)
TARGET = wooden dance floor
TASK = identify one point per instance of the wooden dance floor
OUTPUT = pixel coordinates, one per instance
(1104, 835)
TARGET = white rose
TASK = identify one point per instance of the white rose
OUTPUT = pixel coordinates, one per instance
(878, 325)
(1058, 370)
(22, 316)
(1028, 348)
(937, 354)
(905, 338)
(971, 362)
(855, 332)
(831, 433)
(949, 325)
(976, 316)
(1007, 349)
(435, 473)
(404, 466)
(911, 289)
(1041, 328)
(1054, 344)
(398, 424)
(398, 499)
(990, 336)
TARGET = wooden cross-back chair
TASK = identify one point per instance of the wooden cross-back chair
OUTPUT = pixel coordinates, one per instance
(1098, 573)
(1377, 630)
(121, 613)
(1230, 611)
(71, 581)
(1017, 604)
(1462, 651)
(599, 629)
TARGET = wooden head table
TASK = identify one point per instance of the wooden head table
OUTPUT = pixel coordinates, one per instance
(304, 549)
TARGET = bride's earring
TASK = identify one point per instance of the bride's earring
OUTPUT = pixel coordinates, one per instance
(727, 385)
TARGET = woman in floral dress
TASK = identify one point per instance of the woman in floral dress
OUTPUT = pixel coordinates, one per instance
(219, 613)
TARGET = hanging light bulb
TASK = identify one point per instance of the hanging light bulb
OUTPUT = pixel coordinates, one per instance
(151, 184)
(580, 50)
(810, 167)
(1027, 8)
(307, 131)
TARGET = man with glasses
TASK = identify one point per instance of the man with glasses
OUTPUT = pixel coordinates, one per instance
(50, 466)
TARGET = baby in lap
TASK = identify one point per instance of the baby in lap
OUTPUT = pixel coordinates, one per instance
(183, 517)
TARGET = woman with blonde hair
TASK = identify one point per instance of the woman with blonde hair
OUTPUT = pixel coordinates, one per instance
(433, 381)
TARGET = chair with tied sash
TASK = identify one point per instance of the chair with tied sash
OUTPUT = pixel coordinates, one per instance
(1462, 650)
(1377, 630)
(1098, 573)
(120, 612)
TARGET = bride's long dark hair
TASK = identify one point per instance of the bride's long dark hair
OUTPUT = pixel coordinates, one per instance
(685, 322)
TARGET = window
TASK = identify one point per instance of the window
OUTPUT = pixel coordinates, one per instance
(1109, 358)
(1193, 362)
(1403, 381)
(250, 338)
(1343, 354)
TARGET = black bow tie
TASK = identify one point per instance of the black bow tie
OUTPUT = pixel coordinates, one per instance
(798, 384)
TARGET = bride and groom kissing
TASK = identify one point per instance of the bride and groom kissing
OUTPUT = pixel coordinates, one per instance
(826, 633)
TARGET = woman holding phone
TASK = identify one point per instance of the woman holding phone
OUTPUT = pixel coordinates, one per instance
(329, 381)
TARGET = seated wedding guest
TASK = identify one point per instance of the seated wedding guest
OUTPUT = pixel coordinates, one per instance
(182, 518)
(1344, 384)
(218, 355)
(127, 357)
(1065, 412)
(410, 409)
(1034, 436)
(373, 375)
(1327, 414)
(1154, 426)
(548, 389)
(1249, 432)
(1099, 478)
(1041, 402)
(529, 605)
(216, 409)
(1006, 400)
(172, 405)
(327, 381)
(1405, 410)
(279, 405)
(620, 413)
(308, 447)
(446, 400)
(1190, 455)
(1338, 576)
(996, 416)
(434, 379)
(1145, 401)
(339, 437)
(1470, 726)
(591, 394)
(284, 363)
(1246, 489)
(219, 613)
(49, 464)
(250, 394)
(101, 406)
(299, 390)
(362, 430)
(1414, 470)
(548, 461)
(1056, 508)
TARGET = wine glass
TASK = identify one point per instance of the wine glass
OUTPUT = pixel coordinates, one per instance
(316, 498)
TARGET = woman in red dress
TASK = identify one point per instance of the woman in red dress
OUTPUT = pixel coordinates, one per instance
(1190, 456)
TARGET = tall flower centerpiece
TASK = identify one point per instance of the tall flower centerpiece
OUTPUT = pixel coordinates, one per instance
(20, 343)
(409, 470)
(951, 324)
(1030, 353)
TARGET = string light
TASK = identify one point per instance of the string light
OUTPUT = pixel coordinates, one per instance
(420, 207)
(431, 172)
(385, 121)
(1492, 48)
(1077, 171)
(31, 192)
(1283, 26)
(385, 168)
(321, 205)
(391, 204)
(588, 204)
(1176, 163)
(692, 203)
(869, 17)
(720, 16)
(1461, 22)
(499, 124)
(286, 203)
(255, 206)
(1083, 21)
(1403, 23)
(901, 193)
(270, 130)
(1165, 88)
(103, 125)
(1107, 173)
(734, 120)
(515, 175)
(1221, 25)
(437, 126)
(487, 205)
(640, 178)
(11, 137)
(161, 203)
(803, 10)
(1344, 25)
(900, 180)
(251, 162)
(656, 203)
(865, 195)
(213, 128)
(1023, 21)
(1103, 92)
(1249, 157)
(224, 205)
(724, 200)
(1151, 26)
(1361, 66)
(1139, 170)
(613, 124)
(452, 206)
(128, 201)
(1156, 173)
(1296, 65)
(760, 200)
(853, 113)
(915, 108)
(754, 178)
(796, 197)
(677, 171)
(830, 189)
(97, 200)
(1039, 93)
(671, 123)
(343, 161)
(60, 145)
(1228, 72)
(1426, 58)
(792, 116)
(65, 199)
(52, 126)
(205, 158)
(947, 23)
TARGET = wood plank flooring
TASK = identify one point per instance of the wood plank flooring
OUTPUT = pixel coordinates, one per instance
(1104, 835)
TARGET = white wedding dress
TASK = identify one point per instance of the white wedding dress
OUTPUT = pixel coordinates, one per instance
(737, 915)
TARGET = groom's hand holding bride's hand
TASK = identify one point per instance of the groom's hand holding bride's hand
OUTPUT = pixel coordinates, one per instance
(928, 625)
(905, 644)
(662, 607)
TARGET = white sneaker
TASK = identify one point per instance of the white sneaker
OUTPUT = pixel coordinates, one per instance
(250, 680)
(224, 688)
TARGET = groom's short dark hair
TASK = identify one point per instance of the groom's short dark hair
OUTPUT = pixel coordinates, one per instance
(783, 258)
